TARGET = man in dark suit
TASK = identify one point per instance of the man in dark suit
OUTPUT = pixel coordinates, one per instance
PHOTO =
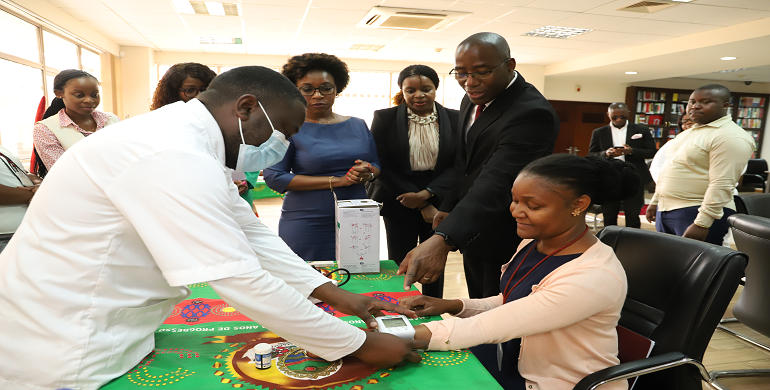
(626, 141)
(505, 123)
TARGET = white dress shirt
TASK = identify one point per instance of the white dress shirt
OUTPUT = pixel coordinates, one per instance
(619, 137)
(124, 220)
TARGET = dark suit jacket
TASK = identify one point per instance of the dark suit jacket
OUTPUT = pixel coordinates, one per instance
(644, 147)
(390, 129)
(519, 127)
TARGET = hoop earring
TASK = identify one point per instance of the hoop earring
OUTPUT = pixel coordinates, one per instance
(575, 212)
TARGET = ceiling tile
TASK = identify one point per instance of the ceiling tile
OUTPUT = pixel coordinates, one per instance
(612, 7)
(161, 29)
(140, 6)
(120, 26)
(686, 29)
(327, 27)
(351, 5)
(259, 11)
(152, 18)
(750, 4)
(85, 4)
(235, 49)
(619, 37)
(93, 14)
(736, 17)
(536, 16)
(687, 12)
(271, 24)
(120, 38)
(331, 15)
(482, 11)
(641, 26)
(212, 21)
(285, 3)
(179, 46)
(233, 32)
(422, 4)
(511, 29)
(282, 37)
(163, 40)
(593, 22)
(576, 6)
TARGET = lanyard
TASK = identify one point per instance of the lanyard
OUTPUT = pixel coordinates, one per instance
(506, 292)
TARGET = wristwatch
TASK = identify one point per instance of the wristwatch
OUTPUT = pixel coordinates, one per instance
(432, 194)
(447, 240)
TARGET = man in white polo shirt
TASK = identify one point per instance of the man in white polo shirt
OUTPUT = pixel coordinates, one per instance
(134, 213)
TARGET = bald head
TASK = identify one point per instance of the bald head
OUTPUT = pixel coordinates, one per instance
(717, 90)
(489, 39)
(708, 103)
(618, 113)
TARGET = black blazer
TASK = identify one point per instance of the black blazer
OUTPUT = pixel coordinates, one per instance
(644, 146)
(518, 127)
(390, 129)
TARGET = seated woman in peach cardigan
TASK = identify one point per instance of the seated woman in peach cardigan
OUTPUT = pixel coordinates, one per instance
(562, 292)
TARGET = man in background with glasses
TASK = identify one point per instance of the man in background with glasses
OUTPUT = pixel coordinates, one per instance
(630, 142)
(505, 123)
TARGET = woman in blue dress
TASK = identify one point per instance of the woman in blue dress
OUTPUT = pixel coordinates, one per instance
(330, 152)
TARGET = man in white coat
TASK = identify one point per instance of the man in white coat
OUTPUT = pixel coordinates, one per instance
(131, 215)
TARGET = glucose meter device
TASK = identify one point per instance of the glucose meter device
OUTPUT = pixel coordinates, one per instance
(397, 325)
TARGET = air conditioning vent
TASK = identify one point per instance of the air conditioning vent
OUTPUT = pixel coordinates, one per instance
(410, 19)
(648, 7)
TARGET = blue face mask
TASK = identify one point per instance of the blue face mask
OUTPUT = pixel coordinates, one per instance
(256, 158)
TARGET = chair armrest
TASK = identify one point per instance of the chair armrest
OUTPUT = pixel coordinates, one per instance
(636, 368)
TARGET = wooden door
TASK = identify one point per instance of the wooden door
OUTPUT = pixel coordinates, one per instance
(577, 122)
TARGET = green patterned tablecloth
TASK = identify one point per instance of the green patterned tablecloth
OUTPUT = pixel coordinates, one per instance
(201, 347)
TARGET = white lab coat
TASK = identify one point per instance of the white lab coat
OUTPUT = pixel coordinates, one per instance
(122, 223)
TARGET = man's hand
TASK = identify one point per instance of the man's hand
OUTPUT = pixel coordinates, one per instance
(626, 150)
(425, 263)
(360, 306)
(613, 152)
(242, 186)
(651, 213)
(428, 213)
(439, 217)
(429, 306)
(696, 232)
(385, 350)
(413, 200)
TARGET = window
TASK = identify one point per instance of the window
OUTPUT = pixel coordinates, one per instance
(59, 53)
(19, 38)
(20, 98)
(91, 63)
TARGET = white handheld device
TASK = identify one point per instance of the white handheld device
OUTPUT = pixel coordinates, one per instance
(397, 325)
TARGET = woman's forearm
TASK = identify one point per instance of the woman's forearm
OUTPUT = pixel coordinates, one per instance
(311, 183)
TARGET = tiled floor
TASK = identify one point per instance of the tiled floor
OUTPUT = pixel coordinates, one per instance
(725, 352)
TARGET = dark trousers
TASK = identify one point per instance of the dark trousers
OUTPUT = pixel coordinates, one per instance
(483, 258)
(631, 207)
(677, 221)
(404, 230)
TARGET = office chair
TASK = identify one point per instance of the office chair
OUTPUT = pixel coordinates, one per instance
(753, 204)
(678, 289)
(752, 236)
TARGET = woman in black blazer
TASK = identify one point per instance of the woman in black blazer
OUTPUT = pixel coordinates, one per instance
(416, 145)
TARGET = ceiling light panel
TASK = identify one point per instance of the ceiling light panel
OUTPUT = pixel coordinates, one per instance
(212, 8)
(730, 70)
(183, 7)
(219, 40)
(557, 32)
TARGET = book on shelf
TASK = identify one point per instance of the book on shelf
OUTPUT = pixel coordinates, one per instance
(672, 132)
(752, 102)
(755, 135)
(657, 132)
(749, 112)
(678, 108)
(651, 108)
(650, 96)
(655, 120)
(749, 123)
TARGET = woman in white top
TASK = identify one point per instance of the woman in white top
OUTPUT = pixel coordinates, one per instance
(416, 147)
(71, 117)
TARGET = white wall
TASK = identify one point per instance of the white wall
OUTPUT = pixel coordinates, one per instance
(137, 65)
(589, 91)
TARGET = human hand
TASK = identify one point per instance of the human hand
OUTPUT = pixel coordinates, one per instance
(424, 305)
(425, 263)
(242, 186)
(361, 172)
(360, 306)
(627, 149)
(385, 350)
(422, 333)
(651, 212)
(696, 232)
(413, 200)
(31, 189)
(613, 152)
(439, 217)
(428, 213)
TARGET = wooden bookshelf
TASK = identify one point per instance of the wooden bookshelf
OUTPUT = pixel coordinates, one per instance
(660, 109)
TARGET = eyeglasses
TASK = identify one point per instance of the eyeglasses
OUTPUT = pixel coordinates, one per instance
(616, 117)
(476, 75)
(191, 92)
(309, 90)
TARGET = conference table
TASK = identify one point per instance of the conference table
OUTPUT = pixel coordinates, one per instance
(203, 345)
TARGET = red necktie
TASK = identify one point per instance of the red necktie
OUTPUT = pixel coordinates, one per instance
(479, 109)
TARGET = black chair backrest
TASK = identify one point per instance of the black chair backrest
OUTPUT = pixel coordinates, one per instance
(757, 166)
(753, 204)
(752, 236)
(678, 290)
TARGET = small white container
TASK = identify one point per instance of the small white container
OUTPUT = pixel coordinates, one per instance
(263, 355)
